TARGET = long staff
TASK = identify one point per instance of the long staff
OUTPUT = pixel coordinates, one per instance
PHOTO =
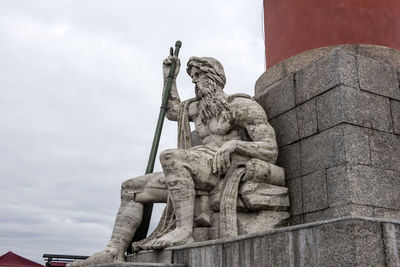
(141, 232)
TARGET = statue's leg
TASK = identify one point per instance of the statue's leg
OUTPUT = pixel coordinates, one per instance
(184, 170)
(129, 216)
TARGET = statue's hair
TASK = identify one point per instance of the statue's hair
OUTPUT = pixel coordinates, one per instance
(212, 67)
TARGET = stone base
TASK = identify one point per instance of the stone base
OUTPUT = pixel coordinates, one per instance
(350, 241)
(336, 114)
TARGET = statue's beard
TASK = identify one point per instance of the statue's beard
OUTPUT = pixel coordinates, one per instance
(211, 102)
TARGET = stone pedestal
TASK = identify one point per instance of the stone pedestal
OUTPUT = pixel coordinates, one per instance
(338, 242)
(336, 113)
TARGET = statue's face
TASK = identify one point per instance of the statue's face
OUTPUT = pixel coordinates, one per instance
(197, 75)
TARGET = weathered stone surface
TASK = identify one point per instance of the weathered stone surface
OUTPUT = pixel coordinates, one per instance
(323, 150)
(295, 196)
(338, 212)
(380, 53)
(307, 119)
(354, 242)
(278, 98)
(202, 211)
(338, 67)
(296, 63)
(163, 256)
(387, 213)
(395, 106)
(289, 159)
(259, 171)
(363, 185)
(391, 241)
(261, 221)
(285, 126)
(356, 145)
(385, 149)
(347, 104)
(201, 234)
(314, 191)
(258, 196)
(338, 186)
(342, 244)
(378, 77)
(337, 145)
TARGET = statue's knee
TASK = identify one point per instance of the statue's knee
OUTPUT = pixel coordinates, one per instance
(168, 155)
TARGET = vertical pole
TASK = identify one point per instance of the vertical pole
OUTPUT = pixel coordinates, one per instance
(141, 232)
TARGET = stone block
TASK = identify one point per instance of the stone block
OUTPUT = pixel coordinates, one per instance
(295, 196)
(296, 219)
(201, 234)
(314, 191)
(395, 107)
(307, 119)
(391, 243)
(356, 144)
(289, 159)
(338, 67)
(363, 185)
(368, 239)
(257, 196)
(338, 186)
(385, 150)
(285, 126)
(279, 253)
(387, 213)
(338, 212)
(378, 78)
(278, 98)
(350, 105)
(323, 150)
(150, 256)
(335, 146)
(380, 53)
(204, 256)
(261, 221)
(350, 243)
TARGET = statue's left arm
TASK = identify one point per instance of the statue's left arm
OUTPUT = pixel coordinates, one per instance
(249, 115)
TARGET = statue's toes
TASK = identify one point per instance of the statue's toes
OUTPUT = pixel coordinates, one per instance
(161, 244)
(148, 245)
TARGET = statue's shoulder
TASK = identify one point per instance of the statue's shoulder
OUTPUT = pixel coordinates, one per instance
(245, 108)
(241, 101)
(239, 97)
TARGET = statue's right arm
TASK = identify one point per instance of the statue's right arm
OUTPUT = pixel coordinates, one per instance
(173, 100)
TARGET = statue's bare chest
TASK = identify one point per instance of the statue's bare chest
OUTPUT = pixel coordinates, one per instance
(219, 125)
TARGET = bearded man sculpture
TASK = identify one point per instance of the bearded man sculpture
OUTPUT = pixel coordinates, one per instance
(228, 128)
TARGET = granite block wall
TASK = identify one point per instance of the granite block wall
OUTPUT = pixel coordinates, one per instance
(337, 122)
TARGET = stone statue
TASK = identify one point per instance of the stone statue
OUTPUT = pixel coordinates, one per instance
(234, 153)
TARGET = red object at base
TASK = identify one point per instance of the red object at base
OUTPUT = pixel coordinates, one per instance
(295, 26)
(13, 260)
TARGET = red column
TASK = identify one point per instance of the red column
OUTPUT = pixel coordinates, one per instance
(295, 26)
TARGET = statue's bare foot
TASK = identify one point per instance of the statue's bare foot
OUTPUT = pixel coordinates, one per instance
(173, 238)
(108, 255)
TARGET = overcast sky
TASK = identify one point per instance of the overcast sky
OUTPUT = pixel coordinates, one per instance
(80, 91)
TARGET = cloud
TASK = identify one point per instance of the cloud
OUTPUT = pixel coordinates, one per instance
(80, 90)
